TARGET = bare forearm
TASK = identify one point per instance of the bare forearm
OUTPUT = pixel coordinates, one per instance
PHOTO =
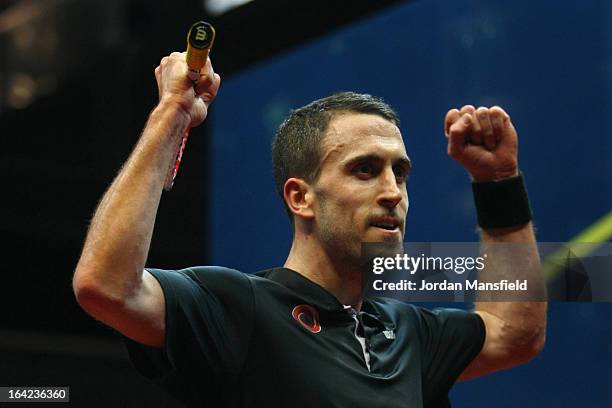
(120, 233)
(512, 254)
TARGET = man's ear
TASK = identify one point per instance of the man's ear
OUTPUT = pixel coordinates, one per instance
(299, 196)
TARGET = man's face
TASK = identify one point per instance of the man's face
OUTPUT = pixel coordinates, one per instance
(360, 194)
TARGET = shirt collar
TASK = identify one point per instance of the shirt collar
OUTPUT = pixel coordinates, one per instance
(304, 287)
(315, 294)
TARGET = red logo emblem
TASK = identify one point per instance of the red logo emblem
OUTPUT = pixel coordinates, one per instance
(308, 317)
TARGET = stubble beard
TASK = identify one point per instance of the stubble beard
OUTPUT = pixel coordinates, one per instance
(342, 247)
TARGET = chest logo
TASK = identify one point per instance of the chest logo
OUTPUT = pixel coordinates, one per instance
(308, 317)
(389, 334)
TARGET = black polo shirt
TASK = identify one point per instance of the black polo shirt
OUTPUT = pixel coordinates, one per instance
(278, 339)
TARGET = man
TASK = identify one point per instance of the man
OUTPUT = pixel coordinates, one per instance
(303, 335)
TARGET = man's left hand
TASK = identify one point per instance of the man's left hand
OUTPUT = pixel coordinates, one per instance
(484, 141)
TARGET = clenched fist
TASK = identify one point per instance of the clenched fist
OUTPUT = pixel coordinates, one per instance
(484, 141)
(174, 86)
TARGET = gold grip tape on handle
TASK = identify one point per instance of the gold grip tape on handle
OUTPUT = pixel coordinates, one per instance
(200, 39)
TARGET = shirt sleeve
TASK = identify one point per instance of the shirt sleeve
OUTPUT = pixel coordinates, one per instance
(209, 320)
(450, 340)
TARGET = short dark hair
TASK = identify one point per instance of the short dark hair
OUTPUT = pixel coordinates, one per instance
(296, 148)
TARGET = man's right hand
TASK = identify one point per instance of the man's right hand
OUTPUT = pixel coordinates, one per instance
(175, 87)
(110, 282)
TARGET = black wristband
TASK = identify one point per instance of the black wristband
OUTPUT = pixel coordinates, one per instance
(502, 204)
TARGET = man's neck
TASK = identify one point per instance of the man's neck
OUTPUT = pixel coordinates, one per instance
(341, 277)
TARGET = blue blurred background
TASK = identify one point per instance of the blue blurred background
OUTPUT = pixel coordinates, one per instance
(548, 64)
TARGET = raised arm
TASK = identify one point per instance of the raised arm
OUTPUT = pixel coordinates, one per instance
(485, 142)
(110, 282)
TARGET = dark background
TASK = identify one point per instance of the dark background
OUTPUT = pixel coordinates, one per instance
(77, 84)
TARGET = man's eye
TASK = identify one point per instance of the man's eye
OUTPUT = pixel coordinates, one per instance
(364, 169)
(400, 173)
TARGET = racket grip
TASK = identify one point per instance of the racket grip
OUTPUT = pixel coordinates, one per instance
(199, 41)
(173, 169)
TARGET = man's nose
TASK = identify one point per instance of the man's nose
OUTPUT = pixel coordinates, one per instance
(390, 191)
